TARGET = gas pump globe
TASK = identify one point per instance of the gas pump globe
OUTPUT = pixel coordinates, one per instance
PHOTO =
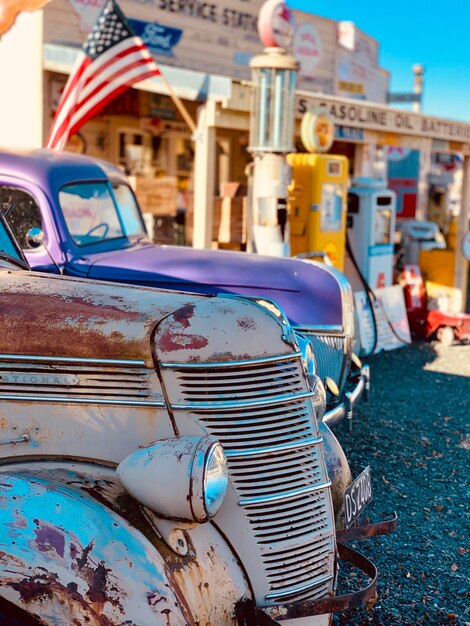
(271, 138)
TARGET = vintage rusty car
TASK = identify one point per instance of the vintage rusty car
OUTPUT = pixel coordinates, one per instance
(163, 460)
(87, 223)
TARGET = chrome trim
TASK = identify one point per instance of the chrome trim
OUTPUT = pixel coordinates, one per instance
(283, 357)
(70, 400)
(327, 329)
(295, 445)
(240, 404)
(335, 415)
(287, 495)
(295, 590)
(346, 294)
(67, 359)
(23, 439)
(280, 317)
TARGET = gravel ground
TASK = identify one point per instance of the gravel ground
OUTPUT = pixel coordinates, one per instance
(415, 434)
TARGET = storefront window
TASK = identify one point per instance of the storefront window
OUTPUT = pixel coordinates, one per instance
(184, 156)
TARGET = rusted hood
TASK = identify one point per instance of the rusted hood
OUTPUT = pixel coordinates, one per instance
(58, 316)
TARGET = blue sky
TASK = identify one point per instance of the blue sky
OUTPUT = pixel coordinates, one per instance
(431, 32)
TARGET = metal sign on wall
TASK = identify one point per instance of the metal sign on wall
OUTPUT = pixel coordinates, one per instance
(358, 73)
(217, 37)
(386, 119)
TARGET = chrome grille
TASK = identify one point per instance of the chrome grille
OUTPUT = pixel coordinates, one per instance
(203, 385)
(262, 414)
(333, 356)
(74, 380)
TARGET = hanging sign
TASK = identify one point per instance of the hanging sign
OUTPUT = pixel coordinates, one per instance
(276, 25)
(317, 130)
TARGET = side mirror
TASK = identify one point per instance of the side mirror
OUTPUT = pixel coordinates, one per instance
(35, 237)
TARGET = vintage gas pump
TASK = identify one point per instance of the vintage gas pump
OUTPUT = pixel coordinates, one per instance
(317, 201)
(271, 139)
(271, 134)
(371, 230)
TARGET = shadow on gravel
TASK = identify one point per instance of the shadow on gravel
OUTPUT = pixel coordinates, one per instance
(414, 433)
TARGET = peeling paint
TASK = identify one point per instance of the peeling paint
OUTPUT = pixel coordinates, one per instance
(49, 538)
(174, 338)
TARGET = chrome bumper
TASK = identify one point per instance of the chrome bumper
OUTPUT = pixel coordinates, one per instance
(351, 398)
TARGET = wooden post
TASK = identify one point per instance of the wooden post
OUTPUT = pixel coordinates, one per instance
(204, 175)
(461, 264)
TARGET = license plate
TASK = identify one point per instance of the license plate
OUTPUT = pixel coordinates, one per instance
(357, 496)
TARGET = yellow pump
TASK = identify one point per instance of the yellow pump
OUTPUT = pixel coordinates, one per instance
(318, 205)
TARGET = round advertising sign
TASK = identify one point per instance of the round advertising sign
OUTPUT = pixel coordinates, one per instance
(276, 24)
(466, 245)
(317, 130)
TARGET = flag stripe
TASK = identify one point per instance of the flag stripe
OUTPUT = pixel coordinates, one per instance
(73, 98)
(132, 76)
(78, 70)
(68, 97)
(102, 102)
(112, 60)
(107, 75)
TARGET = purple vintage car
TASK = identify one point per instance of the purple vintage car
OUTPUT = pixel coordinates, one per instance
(86, 216)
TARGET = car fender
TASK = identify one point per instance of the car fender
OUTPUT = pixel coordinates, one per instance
(338, 470)
(65, 554)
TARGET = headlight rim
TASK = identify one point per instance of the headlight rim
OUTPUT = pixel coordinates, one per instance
(215, 448)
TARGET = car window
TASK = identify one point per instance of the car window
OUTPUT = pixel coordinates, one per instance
(90, 213)
(6, 244)
(128, 210)
(21, 211)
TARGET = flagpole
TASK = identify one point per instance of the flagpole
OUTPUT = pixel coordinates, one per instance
(179, 105)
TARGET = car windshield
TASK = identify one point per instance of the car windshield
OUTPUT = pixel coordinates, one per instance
(98, 211)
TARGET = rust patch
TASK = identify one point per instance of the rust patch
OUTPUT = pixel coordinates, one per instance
(97, 591)
(86, 330)
(174, 338)
(246, 323)
(33, 588)
(180, 596)
(154, 598)
(170, 342)
(10, 558)
(96, 576)
(183, 315)
(45, 587)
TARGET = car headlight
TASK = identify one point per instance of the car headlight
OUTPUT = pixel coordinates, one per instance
(319, 398)
(310, 368)
(215, 479)
(195, 467)
(308, 357)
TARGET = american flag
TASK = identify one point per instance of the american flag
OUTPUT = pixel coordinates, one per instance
(112, 59)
